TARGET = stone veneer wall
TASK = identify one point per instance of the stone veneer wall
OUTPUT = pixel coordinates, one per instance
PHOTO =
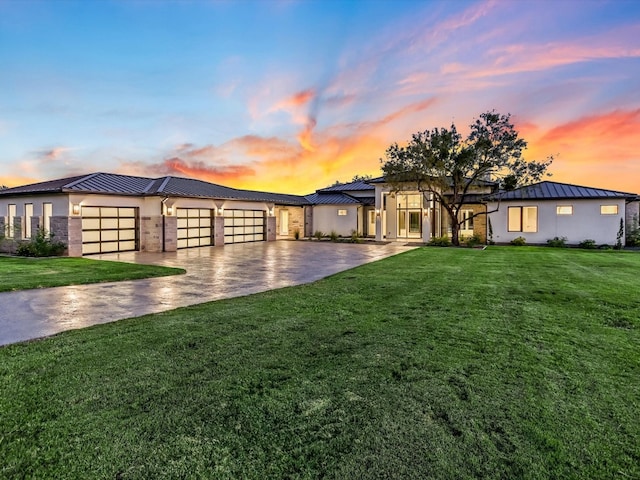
(170, 234)
(68, 230)
(479, 222)
(632, 210)
(308, 221)
(271, 228)
(218, 231)
(151, 233)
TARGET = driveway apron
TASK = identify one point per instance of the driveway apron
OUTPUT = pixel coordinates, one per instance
(213, 273)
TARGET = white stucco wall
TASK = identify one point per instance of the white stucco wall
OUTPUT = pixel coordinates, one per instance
(586, 222)
(326, 219)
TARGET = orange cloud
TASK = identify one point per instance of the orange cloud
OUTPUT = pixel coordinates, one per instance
(597, 150)
(203, 171)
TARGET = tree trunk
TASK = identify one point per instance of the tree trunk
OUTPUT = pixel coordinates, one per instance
(455, 233)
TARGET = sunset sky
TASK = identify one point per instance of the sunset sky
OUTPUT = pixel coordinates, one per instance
(290, 96)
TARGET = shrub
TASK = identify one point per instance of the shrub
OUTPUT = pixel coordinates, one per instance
(633, 233)
(605, 246)
(355, 238)
(296, 234)
(588, 243)
(519, 241)
(473, 240)
(443, 241)
(557, 242)
(42, 245)
(333, 236)
(318, 234)
(618, 244)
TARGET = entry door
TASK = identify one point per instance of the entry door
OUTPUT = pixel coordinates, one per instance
(414, 223)
(284, 222)
(371, 230)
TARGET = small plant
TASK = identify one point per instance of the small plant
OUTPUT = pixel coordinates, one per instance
(42, 245)
(296, 234)
(519, 241)
(333, 236)
(618, 245)
(605, 246)
(443, 241)
(588, 244)
(318, 234)
(559, 242)
(473, 240)
(355, 238)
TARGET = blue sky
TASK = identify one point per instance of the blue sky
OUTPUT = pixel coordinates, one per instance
(293, 95)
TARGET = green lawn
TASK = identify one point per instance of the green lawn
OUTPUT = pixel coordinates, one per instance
(437, 363)
(19, 273)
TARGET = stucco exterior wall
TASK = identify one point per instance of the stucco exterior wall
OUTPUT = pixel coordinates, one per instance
(586, 222)
(326, 219)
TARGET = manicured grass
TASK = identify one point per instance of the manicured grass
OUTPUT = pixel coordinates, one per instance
(438, 363)
(19, 273)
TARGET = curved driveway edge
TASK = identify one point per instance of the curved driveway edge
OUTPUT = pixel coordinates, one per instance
(213, 273)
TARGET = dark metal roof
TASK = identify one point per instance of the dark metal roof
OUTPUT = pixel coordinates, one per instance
(553, 190)
(331, 199)
(347, 187)
(41, 187)
(115, 184)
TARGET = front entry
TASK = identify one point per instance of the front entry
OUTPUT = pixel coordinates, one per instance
(371, 224)
(409, 225)
(284, 222)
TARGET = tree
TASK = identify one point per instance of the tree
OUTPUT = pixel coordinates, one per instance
(440, 162)
(361, 178)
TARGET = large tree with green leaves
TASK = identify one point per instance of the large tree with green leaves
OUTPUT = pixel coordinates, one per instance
(443, 163)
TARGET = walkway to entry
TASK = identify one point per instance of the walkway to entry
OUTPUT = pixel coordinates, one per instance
(213, 273)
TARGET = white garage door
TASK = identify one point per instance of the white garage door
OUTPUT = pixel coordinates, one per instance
(109, 229)
(195, 227)
(244, 226)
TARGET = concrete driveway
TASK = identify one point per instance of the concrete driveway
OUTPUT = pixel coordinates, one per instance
(212, 274)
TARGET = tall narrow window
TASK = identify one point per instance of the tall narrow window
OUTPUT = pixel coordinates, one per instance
(466, 219)
(11, 211)
(515, 219)
(28, 213)
(47, 211)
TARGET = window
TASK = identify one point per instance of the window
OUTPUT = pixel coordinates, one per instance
(522, 219)
(342, 212)
(608, 209)
(47, 211)
(564, 209)
(11, 210)
(28, 213)
(466, 219)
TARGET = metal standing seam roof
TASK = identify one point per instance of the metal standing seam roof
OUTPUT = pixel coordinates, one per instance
(347, 187)
(111, 183)
(332, 199)
(554, 190)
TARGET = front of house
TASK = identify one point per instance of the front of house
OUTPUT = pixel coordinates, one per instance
(103, 212)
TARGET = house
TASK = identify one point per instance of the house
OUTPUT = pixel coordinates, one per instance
(545, 210)
(105, 212)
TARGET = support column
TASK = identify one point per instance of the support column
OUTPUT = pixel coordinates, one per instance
(426, 227)
(68, 230)
(170, 234)
(271, 228)
(218, 231)
(151, 233)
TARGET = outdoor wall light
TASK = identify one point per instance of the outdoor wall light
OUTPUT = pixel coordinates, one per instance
(75, 209)
(271, 212)
(169, 211)
(220, 211)
(377, 212)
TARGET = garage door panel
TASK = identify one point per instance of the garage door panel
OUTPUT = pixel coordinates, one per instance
(244, 226)
(109, 229)
(195, 227)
